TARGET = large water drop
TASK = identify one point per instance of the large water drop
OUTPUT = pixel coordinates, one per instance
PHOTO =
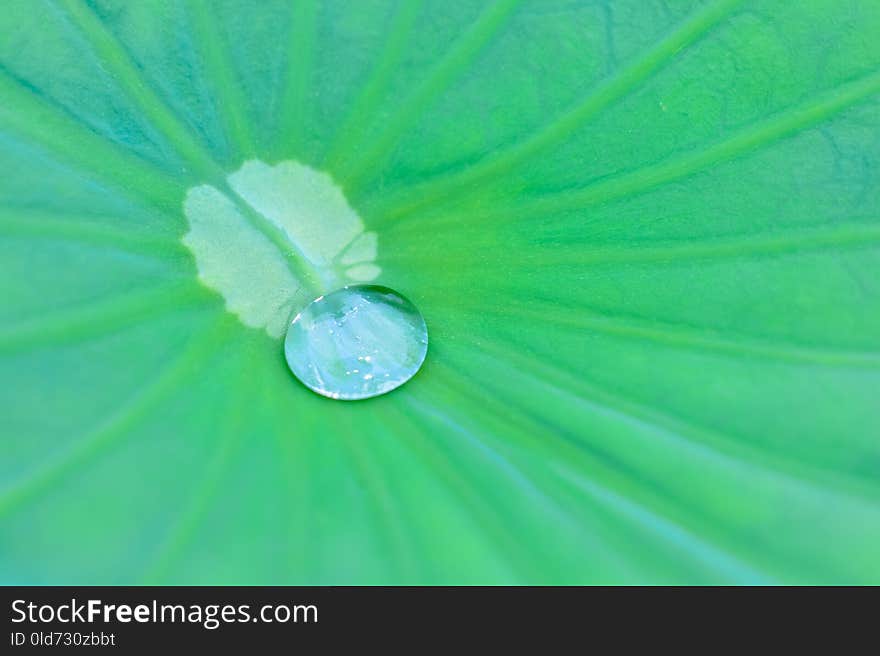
(357, 342)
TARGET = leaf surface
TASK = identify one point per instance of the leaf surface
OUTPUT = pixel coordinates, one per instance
(645, 237)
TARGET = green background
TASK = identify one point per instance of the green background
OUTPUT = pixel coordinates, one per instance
(644, 235)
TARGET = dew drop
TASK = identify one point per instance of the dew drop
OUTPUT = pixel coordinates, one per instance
(357, 342)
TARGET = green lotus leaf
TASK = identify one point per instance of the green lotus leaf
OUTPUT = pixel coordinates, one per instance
(644, 235)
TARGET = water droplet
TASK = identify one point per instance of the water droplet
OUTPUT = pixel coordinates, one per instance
(357, 342)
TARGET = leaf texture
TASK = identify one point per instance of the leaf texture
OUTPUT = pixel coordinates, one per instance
(645, 236)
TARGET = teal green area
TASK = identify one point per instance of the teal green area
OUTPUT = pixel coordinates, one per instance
(644, 234)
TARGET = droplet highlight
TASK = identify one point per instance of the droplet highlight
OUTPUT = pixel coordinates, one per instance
(357, 342)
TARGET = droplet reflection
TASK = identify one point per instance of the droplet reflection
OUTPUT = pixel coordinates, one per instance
(357, 342)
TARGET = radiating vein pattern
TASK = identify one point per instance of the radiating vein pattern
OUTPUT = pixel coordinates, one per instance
(645, 235)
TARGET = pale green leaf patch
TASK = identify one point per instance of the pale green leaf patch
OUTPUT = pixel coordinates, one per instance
(239, 260)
